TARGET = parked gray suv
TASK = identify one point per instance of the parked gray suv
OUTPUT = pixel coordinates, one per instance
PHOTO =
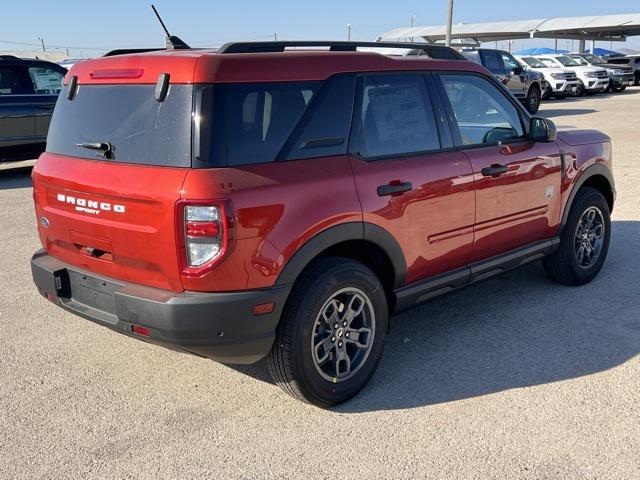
(526, 85)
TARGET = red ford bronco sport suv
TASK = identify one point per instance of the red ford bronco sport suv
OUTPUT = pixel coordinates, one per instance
(278, 200)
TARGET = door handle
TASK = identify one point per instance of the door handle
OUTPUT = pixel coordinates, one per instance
(494, 170)
(394, 188)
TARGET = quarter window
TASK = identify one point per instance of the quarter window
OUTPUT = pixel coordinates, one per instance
(396, 117)
(243, 124)
(483, 114)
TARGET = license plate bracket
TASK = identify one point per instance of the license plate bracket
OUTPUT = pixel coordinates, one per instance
(93, 292)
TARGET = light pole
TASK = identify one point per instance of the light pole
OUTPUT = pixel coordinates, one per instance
(449, 23)
(413, 21)
(348, 32)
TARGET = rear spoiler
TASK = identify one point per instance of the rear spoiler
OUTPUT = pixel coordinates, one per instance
(125, 51)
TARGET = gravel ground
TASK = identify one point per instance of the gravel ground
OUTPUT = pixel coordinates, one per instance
(516, 377)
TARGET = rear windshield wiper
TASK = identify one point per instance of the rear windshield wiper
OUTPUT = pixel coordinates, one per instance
(106, 148)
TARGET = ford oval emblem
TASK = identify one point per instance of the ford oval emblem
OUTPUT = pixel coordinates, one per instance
(44, 221)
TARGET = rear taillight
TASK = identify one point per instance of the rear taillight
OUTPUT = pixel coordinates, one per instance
(205, 235)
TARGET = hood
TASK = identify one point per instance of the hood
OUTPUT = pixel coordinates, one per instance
(615, 66)
(582, 137)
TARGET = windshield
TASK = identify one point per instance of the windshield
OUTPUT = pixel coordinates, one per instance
(568, 61)
(534, 62)
(137, 128)
(580, 60)
(549, 62)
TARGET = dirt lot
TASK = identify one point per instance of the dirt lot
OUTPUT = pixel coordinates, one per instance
(513, 378)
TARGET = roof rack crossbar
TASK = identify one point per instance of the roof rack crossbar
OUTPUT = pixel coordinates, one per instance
(434, 51)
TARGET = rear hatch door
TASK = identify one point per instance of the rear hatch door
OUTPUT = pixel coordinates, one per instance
(107, 186)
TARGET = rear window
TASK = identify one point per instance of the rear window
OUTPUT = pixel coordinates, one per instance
(140, 129)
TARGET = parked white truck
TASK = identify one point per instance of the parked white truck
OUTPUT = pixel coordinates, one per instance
(591, 80)
(560, 82)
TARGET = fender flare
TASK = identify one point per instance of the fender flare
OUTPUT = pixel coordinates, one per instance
(593, 170)
(342, 233)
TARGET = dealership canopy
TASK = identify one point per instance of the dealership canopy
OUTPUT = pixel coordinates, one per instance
(602, 27)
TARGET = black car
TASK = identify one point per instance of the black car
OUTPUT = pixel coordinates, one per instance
(28, 92)
(526, 85)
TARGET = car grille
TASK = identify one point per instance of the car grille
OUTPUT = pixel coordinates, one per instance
(568, 76)
(602, 74)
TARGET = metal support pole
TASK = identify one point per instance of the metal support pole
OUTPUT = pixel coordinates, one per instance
(556, 49)
(449, 23)
(581, 46)
(348, 32)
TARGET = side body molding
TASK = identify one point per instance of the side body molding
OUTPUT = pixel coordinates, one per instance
(343, 233)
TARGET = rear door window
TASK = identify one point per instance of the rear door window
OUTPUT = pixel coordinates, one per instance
(396, 117)
(14, 80)
(492, 62)
(46, 81)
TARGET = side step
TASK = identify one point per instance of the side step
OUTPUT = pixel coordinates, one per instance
(420, 292)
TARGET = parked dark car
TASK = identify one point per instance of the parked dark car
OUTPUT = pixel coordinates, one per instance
(526, 85)
(28, 92)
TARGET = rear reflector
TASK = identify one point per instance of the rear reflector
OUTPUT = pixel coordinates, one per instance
(203, 229)
(139, 330)
(117, 73)
(263, 308)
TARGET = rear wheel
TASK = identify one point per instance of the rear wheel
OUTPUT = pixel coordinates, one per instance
(637, 78)
(584, 241)
(331, 337)
(533, 100)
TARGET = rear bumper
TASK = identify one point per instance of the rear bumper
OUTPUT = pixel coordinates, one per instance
(220, 326)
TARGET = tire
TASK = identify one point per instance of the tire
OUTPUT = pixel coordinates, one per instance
(532, 103)
(303, 333)
(580, 90)
(565, 266)
(636, 78)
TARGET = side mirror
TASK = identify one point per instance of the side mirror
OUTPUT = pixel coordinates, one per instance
(542, 130)
(517, 71)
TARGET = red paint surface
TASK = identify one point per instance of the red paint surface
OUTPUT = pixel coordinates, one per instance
(452, 216)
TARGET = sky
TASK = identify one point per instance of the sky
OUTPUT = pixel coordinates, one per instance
(89, 28)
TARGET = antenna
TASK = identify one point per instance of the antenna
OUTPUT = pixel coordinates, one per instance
(172, 42)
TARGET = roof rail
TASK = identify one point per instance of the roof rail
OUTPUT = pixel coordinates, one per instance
(429, 49)
(125, 51)
(10, 57)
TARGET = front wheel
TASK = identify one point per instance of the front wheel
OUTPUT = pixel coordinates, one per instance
(331, 337)
(580, 89)
(584, 241)
(533, 100)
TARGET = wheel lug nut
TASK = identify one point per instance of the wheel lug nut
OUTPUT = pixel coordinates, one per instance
(333, 339)
(346, 334)
(335, 326)
(340, 344)
(344, 324)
